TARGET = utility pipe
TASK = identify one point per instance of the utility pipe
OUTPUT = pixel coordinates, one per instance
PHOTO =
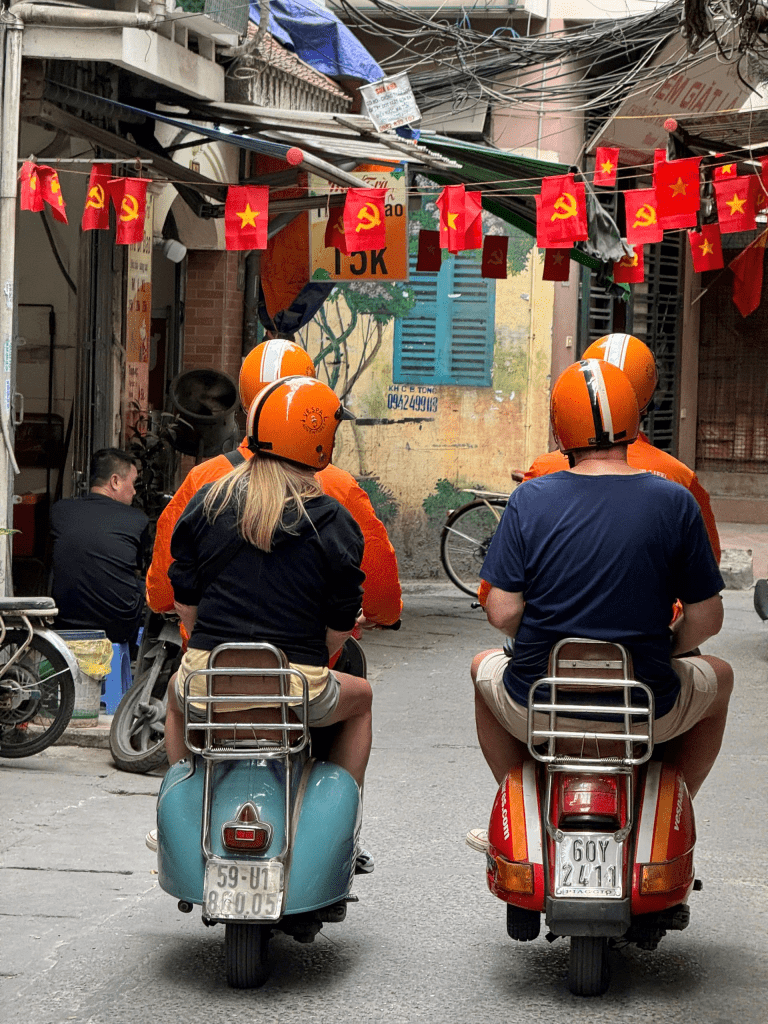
(48, 14)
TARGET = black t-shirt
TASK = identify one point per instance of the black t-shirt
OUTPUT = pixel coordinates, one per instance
(310, 580)
(98, 544)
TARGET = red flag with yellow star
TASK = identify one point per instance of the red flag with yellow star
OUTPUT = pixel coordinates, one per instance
(50, 187)
(677, 193)
(30, 193)
(364, 221)
(461, 220)
(630, 269)
(495, 256)
(606, 162)
(129, 198)
(642, 217)
(429, 258)
(561, 213)
(246, 216)
(724, 170)
(706, 248)
(557, 265)
(748, 275)
(736, 203)
(96, 210)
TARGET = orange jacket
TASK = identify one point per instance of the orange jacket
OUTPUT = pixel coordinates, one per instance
(640, 455)
(382, 601)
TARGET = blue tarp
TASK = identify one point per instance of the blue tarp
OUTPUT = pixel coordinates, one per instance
(317, 36)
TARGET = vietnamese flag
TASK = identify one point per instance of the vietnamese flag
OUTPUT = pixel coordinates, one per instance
(606, 162)
(557, 265)
(50, 186)
(642, 218)
(724, 170)
(736, 204)
(334, 232)
(429, 258)
(630, 269)
(495, 256)
(96, 210)
(748, 275)
(364, 221)
(461, 222)
(706, 248)
(561, 213)
(30, 195)
(246, 216)
(129, 197)
(677, 193)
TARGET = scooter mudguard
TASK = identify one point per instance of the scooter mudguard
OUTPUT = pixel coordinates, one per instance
(320, 870)
(515, 868)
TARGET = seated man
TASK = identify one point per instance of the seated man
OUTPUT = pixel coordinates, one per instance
(600, 550)
(99, 547)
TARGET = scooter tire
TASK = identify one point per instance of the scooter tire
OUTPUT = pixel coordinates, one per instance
(136, 743)
(523, 925)
(246, 954)
(588, 969)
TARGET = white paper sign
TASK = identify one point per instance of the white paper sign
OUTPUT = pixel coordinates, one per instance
(390, 102)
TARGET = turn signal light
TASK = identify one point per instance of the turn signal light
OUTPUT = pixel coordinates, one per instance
(516, 877)
(660, 878)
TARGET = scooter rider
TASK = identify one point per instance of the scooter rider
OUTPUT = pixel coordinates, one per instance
(600, 550)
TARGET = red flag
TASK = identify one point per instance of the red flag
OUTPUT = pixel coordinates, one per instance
(30, 194)
(760, 192)
(706, 248)
(606, 162)
(724, 170)
(557, 265)
(129, 198)
(630, 269)
(334, 232)
(495, 256)
(736, 204)
(96, 211)
(642, 218)
(748, 275)
(677, 193)
(429, 257)
(246, 216)
(461, 222)
(561, 213)
(764, 170)
(364, 222)
(659, 158)
(50, 186)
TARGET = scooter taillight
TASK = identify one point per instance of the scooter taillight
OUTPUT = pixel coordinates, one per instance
(246, 832)
(589, 801)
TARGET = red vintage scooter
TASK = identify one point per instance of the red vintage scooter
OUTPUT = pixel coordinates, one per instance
(593, 832)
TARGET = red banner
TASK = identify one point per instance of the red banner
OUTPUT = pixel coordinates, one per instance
(50, 187)
(495, 256)
(129, 197)
(706, 248)
(630, 269)
(364, 224)
(96, 210)
(557, 265)
(461, 222)
(724, 170)
(561, 213)
(246, 216)
(606, 163)
(30, 193)
(677, 193)
(429, 258)
(748, 275)
(642, 218)
(736, 203)
(334, 231)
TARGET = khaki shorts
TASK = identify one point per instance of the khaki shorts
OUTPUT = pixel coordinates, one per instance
(698, 688)
(324, 688)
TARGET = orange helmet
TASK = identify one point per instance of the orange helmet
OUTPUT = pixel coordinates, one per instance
(593, 406)
(633, 357)
(295, 419)
(270, 361)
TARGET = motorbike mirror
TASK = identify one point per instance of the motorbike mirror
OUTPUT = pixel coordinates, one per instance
(761, 599)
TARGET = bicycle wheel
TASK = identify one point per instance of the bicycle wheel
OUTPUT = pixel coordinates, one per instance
(37, 695)
(465, 539)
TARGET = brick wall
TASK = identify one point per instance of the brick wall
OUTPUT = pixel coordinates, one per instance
(213, 323)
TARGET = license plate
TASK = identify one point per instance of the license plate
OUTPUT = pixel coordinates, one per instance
(243, 890)
(588, 865)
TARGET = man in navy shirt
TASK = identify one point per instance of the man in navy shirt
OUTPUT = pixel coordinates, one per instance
(601, 550)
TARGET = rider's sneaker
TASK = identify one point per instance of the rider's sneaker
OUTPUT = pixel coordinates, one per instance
(151, 840)
(477, 839)
(364, 863)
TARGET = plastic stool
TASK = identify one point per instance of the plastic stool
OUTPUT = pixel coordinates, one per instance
(119, 679)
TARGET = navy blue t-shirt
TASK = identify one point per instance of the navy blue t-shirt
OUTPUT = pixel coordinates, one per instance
(601, 557)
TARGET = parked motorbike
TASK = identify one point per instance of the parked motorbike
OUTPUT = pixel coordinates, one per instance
(252, 828)
(592, 832)
(761, 599)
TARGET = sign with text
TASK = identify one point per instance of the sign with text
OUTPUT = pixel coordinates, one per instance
(387, 264)
(138, 316)
(390, 103)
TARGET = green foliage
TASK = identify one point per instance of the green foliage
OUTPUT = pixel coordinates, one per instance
(321, 274)
(191, 6)
(380, 300)
(443, 498)
(384, 502)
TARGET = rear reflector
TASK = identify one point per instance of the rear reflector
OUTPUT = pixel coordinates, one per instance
(239, 837)
(590, 794)
(660, 878)
(514, 877)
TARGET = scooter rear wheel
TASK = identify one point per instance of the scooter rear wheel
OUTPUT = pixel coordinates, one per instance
(245, 954)
(588, 970)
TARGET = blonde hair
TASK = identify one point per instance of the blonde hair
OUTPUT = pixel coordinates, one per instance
(267, 494)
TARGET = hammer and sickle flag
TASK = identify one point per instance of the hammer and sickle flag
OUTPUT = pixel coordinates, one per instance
(246, 216)
(364, 222)
(495, 256)
(96, 210)
(561, 213)
(129, 197)
(461, 218)
(30, 193)
(630, 269)
(334, 231)
(50, 186)
(643, 226)
(430, 257)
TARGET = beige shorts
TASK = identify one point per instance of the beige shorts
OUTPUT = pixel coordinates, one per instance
(324, 687)
(698, 688)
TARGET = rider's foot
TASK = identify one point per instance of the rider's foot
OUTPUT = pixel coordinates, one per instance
(477, 839)
(151, 840)
(364, 863)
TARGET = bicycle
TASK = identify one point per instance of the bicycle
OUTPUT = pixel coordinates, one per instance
(467, 535)
(37, 677)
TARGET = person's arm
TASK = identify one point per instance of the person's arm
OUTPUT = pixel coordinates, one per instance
(187, 614)
(505, 610)
(707, 515)
(159, 589)
(700, 621)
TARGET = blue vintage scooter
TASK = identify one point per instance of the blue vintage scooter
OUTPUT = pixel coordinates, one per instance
(252, 828)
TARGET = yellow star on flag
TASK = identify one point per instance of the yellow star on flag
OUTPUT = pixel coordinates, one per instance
(707, 248)
(735, 204)
(679, 187)
(248, 216)
(726, 168)
(451, 218)
(607, 167)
